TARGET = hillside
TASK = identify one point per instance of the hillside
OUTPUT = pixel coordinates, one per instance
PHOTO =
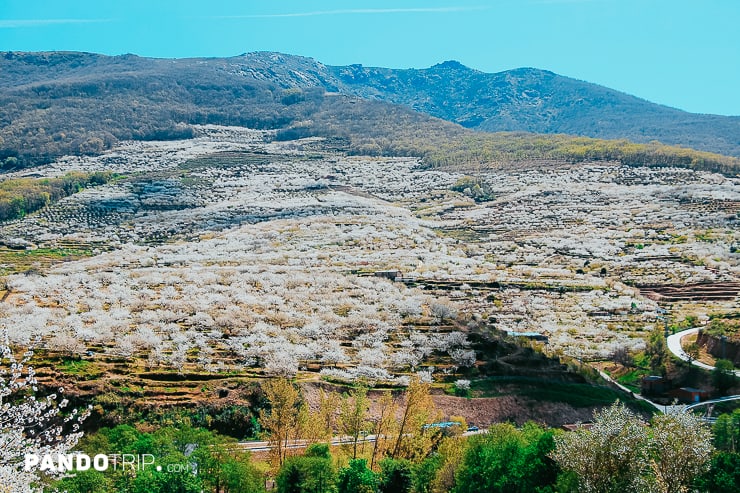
(334, 276)
(532, 100)
(80, 103)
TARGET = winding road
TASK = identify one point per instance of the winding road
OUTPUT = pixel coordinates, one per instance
(713, 401)
(674, 346)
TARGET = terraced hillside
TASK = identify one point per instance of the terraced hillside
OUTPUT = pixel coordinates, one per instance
(231, 257)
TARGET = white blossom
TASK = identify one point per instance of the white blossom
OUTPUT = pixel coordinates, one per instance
(33, 424)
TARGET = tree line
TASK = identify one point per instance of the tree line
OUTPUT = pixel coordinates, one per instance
(21, 196)
(376, 129)
(618, 452)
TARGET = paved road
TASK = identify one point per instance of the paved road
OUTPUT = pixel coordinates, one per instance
(670, 409)
(674, 346)
(714, 401)
(264, 446)
(659, 407)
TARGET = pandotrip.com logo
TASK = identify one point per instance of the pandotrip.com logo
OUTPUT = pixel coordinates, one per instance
(78, 462)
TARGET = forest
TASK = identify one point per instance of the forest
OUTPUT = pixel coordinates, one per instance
(536, 101)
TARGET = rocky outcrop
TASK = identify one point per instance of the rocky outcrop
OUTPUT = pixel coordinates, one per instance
(720, 349)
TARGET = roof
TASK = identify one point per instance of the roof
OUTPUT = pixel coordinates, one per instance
(653, 378)
(446, 424)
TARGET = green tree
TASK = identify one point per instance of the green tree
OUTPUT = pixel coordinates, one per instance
(689, 322)
(473, 187)
(449, 455)
(150, 480)
(692, 351)
(357, 478)
(395, 476)
(90, 481)
(122, 438)
(727, 431)
(723, 376)
(312, 472)
(291, 477)
(508, 460)
(723, 475)
(241, 477)
(223, 467)
(656, 350)
(10, 162)
(204, 460)
(424, 473)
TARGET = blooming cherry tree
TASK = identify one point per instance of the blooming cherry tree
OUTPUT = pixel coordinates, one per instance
(30, 424)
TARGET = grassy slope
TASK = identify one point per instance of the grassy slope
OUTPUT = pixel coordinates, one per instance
(377, 128)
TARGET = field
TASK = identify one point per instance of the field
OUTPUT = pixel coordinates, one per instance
(232, 257)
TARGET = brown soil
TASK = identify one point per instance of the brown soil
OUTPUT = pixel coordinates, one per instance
(704, 355)
(485, 411)
(716, 348)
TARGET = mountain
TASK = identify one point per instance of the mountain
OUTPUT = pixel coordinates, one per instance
(55, 103)
(524, 99)
(58, 103)
(532, 100)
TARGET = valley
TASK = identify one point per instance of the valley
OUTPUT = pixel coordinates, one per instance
(233, 256)
(369, 247)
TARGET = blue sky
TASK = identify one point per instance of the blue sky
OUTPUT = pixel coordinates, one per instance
(682, 53)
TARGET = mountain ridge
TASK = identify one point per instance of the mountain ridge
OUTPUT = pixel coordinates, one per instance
(61, 102)
(540, 101)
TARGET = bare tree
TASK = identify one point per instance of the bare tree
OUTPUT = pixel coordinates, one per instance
(622, 356)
